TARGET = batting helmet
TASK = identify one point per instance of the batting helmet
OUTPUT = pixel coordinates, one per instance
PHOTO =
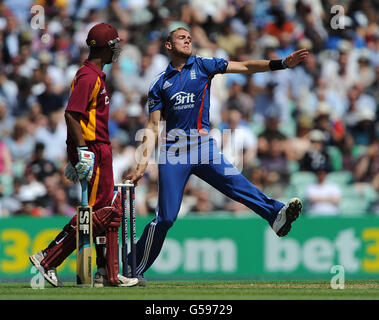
(101, 35)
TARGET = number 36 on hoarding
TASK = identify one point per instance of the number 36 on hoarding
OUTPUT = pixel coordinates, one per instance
(17, 245)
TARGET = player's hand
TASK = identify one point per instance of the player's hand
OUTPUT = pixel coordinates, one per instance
(134, 177)
(84, 167)
(296, 57)
(70, 173)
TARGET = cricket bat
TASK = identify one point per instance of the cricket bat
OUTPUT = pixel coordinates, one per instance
(84, 240)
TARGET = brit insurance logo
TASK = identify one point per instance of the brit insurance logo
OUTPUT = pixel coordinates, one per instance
(183, 100)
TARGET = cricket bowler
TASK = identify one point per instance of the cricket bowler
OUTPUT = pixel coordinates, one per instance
(181, 97)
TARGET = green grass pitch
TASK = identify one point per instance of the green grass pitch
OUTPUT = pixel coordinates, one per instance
(199, 290)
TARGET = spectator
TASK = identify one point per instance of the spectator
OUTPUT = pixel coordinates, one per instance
(10, 204)
(252, 50)
(239, 144)
(12, 36)
(364, 101)
(30, 194)
(6, 120)
(152, 64)
(237, 96)
(229, 40)
(316, 156)
(27, 62)
(25, 97)
(134, 121)
(366, 170)
(48, 200)
(123, 157)
(363, 131)
(280, 24)
(257, 176)
(21, 146)
(271, 132)
(285, 44)
(333, 129)
(130, 57)
(5, 160)
(266, 103)
(117, 14)
(313, 28)
(275, 164)
(8, 93)
(36, 118)
(49, 100)
(215, 10)
(53, 136)
(304, 81)
(372, 90)
(218, 200)
(365, 69)
(346, 146)
(60, 204)
(6, 171)
(325, 97)
(297, 146)
(55, 82)
(39, 165)
(274, 88)
(340, 74)
(323, 198)
(203, 203)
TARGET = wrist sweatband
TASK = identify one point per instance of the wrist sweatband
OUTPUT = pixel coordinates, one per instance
(277, 65)
(83, 147)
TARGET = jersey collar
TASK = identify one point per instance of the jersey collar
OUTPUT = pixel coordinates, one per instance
(188, 64)
(94, 68)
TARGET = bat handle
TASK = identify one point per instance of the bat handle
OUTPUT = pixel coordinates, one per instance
(84, 184)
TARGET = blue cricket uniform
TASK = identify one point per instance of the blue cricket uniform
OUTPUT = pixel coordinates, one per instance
(184, 100)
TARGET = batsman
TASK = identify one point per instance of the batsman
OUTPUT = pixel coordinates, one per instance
(89, 153)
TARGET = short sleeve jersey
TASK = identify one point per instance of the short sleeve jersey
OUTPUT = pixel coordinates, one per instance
(89, 98)
(184, 96)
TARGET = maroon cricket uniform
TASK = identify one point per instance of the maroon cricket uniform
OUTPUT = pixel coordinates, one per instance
(89, 98)
(90, 101)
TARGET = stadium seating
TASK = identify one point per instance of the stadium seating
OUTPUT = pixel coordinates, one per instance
(288, 128)
(340, 177)
(6, 183)
(302, 178)
(335, 157)
(256, 127)
(358, 150)
(353, 207)
(293, 166)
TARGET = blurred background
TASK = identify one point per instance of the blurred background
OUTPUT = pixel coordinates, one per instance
(311, 132)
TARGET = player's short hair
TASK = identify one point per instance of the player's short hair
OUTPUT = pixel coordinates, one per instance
(169, 37)
(95, 52)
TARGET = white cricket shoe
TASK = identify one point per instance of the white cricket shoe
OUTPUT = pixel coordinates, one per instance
(126, 282)
(100, 280)
(50, 275)
(288, 214)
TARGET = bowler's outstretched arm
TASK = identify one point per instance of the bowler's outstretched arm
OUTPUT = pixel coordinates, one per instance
(253, 66)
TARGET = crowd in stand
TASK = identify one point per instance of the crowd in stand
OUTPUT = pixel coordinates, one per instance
(312, 131)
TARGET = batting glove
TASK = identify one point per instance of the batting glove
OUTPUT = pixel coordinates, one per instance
(84, 167)
(70, 173)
